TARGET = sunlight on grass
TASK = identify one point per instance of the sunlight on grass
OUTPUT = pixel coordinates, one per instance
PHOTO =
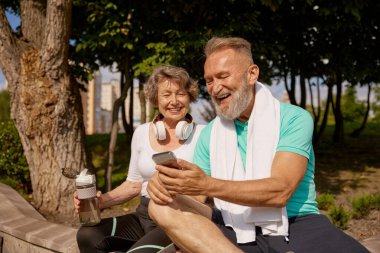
(98, 144)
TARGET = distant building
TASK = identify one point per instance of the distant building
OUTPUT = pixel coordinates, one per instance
(109, 93)
(91, 103)
(98, 103)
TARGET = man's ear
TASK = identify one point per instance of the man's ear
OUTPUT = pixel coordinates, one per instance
(253, 74)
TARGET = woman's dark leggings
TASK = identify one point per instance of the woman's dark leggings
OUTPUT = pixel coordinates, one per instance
(132, 231)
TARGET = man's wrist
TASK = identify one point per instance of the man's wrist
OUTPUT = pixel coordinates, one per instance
(207, 187)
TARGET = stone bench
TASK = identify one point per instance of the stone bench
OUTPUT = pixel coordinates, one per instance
(23, 229)
(372, 244)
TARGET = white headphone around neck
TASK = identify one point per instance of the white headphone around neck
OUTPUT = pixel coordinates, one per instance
(183, 129)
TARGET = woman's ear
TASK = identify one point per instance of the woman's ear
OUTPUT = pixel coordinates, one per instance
(253, 74)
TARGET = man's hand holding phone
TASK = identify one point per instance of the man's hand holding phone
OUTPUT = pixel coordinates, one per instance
(187, 178)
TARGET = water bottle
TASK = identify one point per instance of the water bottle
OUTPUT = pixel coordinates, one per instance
(89, 214)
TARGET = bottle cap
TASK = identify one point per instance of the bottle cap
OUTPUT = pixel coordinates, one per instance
(83, 178)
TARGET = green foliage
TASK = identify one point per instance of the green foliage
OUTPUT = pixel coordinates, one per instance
(161, 54)
(376, 201)
(362, 206)
(13, 164)
(353, 109)
(325, 201)
(339, 216)
(4, 106)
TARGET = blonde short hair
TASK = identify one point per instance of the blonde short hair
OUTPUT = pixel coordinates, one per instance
(239, 44)
(173, 73)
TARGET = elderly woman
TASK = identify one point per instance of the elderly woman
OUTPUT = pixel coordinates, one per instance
(172, 90)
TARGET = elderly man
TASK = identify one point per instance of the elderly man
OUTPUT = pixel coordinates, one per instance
(256, 160)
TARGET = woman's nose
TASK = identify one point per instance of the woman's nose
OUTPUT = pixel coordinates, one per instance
(173, 99)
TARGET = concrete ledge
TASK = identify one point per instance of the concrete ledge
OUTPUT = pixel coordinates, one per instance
(372, 244)
(23, 229)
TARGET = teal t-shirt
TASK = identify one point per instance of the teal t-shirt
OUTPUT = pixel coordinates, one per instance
(296, 131)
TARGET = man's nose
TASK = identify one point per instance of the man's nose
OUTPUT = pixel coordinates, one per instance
(217, 87)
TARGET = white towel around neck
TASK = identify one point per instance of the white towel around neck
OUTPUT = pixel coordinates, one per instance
(226, 163)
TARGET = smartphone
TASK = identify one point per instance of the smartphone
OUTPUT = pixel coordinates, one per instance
(166, 158)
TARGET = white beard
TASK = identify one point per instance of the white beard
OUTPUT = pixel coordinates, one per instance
(240, 100)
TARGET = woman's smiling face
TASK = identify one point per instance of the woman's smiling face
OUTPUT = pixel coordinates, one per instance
(173, 100)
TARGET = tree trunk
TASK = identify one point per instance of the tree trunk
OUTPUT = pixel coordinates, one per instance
(303, 91)
(318, 132)
(338, 135)
(123, 114)
(290, 88)
(129, 83)
(115, 126)
(113, 135)
(131, 99)
(45, 102)
(357, 131)
(142, 101)
(316, 112)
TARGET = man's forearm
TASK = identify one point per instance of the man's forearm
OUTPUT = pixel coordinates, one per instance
(261, 192)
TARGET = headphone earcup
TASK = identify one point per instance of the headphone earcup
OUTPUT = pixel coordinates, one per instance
(159, 130)
(183, 130)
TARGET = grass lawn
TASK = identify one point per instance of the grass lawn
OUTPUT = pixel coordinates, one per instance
(357, 156)
(99, 144)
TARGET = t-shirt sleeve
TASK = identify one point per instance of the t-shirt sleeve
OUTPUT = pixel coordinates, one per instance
(133, 173)
(202, 150)
(296, 131)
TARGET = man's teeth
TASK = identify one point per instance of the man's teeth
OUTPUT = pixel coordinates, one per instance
(222, 96)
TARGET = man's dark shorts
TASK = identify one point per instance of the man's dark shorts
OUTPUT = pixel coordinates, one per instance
(311, 233)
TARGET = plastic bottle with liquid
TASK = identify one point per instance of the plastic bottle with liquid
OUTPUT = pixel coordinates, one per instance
(89, 214)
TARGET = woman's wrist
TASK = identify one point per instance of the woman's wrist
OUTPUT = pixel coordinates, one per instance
(101, 202)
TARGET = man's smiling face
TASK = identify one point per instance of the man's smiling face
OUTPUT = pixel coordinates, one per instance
(226, 72)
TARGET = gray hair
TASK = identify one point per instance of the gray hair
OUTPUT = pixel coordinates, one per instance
(173, 73)
(239, 44)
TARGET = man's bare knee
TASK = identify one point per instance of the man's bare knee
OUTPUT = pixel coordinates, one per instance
(154, 210)
(161, 214)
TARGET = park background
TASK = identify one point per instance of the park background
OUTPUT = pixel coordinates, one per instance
(319, 55)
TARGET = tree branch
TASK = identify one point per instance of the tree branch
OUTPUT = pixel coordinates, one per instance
(56, 41)
(9, 51)
(33, 16)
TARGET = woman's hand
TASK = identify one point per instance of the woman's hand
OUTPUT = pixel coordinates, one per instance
(77, 201)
